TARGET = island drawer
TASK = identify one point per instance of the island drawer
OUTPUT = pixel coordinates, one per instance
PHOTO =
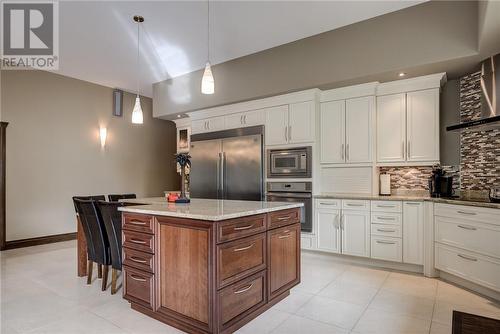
(241, 227)
(139, 241)
(240, 258)
(283, 218)
(138, 259)
(241, 298)
(139, 223)
(138, 286)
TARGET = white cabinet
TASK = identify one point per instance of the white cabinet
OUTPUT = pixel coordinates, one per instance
(391, 128)
(276, 125)
(408, 127)
(346, 130)
(328, 227)
(356, 233)
(244, 119)
(413, 232)
(332, 115)
(423, 125)
(208, 125)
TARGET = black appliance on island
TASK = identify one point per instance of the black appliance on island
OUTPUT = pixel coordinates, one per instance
(440, 184)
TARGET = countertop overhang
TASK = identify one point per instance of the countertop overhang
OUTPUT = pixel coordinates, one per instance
(204, 209)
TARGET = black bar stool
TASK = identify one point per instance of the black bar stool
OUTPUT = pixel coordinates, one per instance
(117, 197)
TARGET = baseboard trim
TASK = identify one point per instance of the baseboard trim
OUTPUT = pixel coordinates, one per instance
(39, 240)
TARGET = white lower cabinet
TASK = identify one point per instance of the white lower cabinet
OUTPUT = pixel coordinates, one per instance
(307, 241)
(413, 232)
(386, 248)
(355, 233)
(328, 227)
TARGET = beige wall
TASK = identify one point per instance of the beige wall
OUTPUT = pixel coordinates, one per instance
(436, 32)
(53, 150)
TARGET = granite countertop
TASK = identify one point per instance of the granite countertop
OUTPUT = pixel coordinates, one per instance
(410, 197)
(205, 209)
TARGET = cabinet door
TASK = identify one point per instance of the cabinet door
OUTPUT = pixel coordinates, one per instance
(332, 119)
(356, 233)
(252, 118)
(423, 125)
(234, 121)
(283, 264)
(391, 128)
(301, 122)
(276, 125)
(358, 129)
(199, 126)
(216, 123)
(328, 222)
(413, 232)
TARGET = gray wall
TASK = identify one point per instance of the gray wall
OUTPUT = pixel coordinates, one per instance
(449, 114)
(53, 150)
(442, 33)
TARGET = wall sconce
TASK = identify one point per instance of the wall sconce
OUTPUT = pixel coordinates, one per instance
(103, 134)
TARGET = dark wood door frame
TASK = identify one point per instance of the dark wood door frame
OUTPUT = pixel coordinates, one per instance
(3, 129)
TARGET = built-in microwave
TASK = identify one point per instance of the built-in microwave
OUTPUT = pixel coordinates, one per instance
(289, 162)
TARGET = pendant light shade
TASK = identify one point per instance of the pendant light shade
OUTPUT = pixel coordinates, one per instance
(137, 117)
(207, 82)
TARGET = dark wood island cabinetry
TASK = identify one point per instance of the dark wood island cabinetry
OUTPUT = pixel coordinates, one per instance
(205, 276)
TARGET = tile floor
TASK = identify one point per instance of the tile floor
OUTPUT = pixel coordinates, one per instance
(40, 293)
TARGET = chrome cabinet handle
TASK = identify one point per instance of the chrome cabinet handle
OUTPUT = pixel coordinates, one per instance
(284, 236)
(408, 150)
(341, 222)
(324, 203)
(137, 278)
(350, 204)
(138, 260)
(283, 218)
(465, 257)
(412, 203)
(245, 119)
(347, 152)
(243, 248)
(241, 228)
(241, 119)
(289, 132)
(386, 242)
(136, 222)
(386, 206)
(245, 289)
(286, 133)
(135, 241)
(386, 218)
(467, 213)
(385, 230)
(467, 227)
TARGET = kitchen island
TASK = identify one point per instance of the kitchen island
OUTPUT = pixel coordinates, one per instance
(209, 266)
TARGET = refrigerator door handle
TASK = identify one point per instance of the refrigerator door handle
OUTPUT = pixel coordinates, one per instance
(219, 163)
(223, 175)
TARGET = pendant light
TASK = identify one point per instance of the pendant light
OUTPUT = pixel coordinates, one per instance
(207, 82)
(137, 116)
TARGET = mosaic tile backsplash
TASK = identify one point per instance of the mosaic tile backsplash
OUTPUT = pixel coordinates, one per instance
(479, 168)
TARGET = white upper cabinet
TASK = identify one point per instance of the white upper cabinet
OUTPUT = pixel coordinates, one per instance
(290, 124)
(332, 115)
(208, 125)
(198, 126)
(358, 129)
(408, 127)
(391, 128)
(423, 125)
(301, 122)
(244, 119)
(276, 125)
(346, 130)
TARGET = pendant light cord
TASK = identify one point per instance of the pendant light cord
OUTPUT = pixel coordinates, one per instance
(208, 31)
(138, 71)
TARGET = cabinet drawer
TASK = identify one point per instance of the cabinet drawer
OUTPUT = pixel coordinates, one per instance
(386, 218)
(241, 298)
(240, 258)
(479, 269)
(283, 217)
(484, 215)
(470, 235)
(138, 259)
(138, 286)
(334, 204)
(386, 230)
(355, 204)
(242, 227)
(386, 206)
(389, 249)
(139, 223)
(139, 241)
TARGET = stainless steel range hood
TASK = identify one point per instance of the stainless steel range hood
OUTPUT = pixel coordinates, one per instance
(490, 99)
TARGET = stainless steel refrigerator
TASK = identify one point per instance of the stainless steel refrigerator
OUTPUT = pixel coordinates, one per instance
(227, 164)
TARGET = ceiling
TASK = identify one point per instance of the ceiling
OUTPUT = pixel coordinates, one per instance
(98, 39)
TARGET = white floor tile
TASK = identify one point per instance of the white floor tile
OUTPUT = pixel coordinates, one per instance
(443, 311)
(379, 321)
(437, 328)
(294, 302)
(403, 304)
(410, 284)
(300, 325)
(265, 323)
(345, 291)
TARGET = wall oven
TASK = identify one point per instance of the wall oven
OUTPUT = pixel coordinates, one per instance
(290, 162)
(300, 192)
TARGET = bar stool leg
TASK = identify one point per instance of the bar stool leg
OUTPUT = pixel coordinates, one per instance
(90, 266)
(114, 277)
(99, 271)
(105, 278)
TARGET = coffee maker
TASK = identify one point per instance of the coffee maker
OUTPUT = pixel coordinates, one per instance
(440, 185)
